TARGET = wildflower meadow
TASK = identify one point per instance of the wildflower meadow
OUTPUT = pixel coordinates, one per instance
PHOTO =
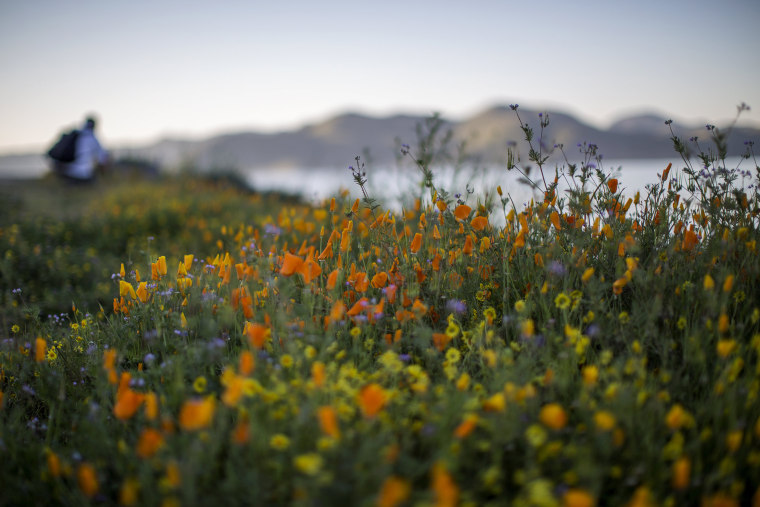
(186, 341)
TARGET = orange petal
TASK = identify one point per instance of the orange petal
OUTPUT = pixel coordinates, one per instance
(554, 217)
(358, 307)
(257, 334)
(291, 264)
(462, 211)
(416, 243)
(332, 279)
(479, 223)
(467, 248)
(328, 421)
(372, 399)
(379, 280)
(440, 340)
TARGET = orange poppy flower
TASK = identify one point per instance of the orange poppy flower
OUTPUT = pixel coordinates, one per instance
(416, 243)
(318, 373)
(337, 311)
(690, 240)
(257, 334)
(53, 464)
(327, 253)
(554, 217)
(443, 485)
(161, 265)
(580, 498)
(358, 307)
(419, 307)
(332, 279)
(466, 427)
(126, 289)
(345, 240)
(390, 293)
(328, 421)
(142, 292)
(394, 490)
(404, 316)
(462, 211)
(149, 442)
(87, 479)
(234, 391)
(436, 263)
(617, 285)
(612, 184)
(309, 270)
(247, 304)
(379, 280)
(361, 282)
(520, 239)
(440, 340)
(151, 406)
(479, 223)
(197, 414)
(127, 403)
(681, 474)
(291, 264)
(372, 400)
(40, 349)
(247, 363)
(242, 432)
(467, 248)
(236, 295)
(109, 359)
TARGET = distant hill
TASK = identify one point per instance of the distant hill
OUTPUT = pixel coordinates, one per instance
(333, 144)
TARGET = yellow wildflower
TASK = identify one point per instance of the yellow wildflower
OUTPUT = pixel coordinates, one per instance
(725, 348)
(562, 301)
(677, 417)
(590, 375)
(604, 420)
(199, 384)
(309, 464)
(553, 416)
(279, 442)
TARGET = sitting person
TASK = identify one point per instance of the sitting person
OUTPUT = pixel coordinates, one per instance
(89, 155)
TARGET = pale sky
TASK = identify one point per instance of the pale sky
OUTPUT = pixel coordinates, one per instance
(196, 68)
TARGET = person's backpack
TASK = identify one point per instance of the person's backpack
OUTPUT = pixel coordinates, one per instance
(65, 149)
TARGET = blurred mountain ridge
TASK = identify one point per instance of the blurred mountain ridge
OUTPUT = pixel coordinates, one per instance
(334, 143)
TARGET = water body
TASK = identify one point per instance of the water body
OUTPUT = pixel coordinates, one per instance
(395, 187)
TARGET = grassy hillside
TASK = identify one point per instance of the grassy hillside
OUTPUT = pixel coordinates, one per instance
(184, 341)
